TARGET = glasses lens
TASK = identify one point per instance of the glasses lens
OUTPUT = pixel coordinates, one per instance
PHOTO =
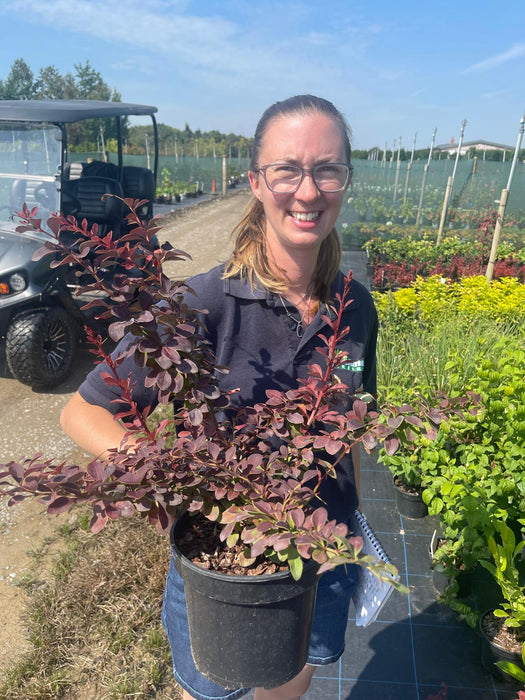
(283, 177)
(331, 177)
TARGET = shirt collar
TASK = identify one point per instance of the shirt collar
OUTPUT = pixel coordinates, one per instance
(242, 289)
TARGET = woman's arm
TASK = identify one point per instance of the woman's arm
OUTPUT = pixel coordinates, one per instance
(92, 427)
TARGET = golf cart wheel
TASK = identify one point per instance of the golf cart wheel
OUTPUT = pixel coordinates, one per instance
(40, 347)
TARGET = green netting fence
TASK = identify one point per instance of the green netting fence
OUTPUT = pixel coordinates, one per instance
(189, 169)
(385, 192)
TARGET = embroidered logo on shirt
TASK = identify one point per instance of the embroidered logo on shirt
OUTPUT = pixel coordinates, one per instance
(357, 366)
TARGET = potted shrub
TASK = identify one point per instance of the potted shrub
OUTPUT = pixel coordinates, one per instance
(404, 465)
(248, 478)
(503, 628)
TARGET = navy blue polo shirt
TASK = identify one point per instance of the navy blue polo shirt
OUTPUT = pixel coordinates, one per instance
(252, 334)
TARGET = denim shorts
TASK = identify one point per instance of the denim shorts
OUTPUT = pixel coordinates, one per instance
(327, 642)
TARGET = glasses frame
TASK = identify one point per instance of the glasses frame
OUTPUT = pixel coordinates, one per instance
(306, 171)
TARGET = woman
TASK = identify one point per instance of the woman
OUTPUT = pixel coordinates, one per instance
(265, 313)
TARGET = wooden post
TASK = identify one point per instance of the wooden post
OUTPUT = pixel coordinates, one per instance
(444, 210)
(497, 231)
(224, 175)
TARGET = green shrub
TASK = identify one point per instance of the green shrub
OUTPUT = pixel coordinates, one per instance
(473, 474)
(432, 300)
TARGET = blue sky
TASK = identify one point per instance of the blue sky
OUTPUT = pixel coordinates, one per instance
(394, 69)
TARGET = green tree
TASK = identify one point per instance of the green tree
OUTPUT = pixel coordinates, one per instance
(91, 86)
(20, 82)
(85, 84)
(50, 85)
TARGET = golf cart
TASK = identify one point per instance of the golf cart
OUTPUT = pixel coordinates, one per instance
(40, 318)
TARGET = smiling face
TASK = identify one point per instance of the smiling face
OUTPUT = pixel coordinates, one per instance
(302, 220)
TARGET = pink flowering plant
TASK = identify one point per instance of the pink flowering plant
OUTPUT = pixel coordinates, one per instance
(256, 473)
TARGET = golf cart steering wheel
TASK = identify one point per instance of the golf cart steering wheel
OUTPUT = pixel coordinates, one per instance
(70, 203)
(44, 194)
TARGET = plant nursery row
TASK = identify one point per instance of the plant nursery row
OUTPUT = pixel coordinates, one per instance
(446, 330)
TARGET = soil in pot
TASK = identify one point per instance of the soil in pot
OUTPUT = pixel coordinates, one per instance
(500, 643)
(409, 501)
(246, 630)
(200, 543)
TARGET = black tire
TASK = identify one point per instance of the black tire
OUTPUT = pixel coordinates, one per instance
(40, 347)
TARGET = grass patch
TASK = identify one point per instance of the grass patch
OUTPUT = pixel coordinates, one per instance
(94, 626)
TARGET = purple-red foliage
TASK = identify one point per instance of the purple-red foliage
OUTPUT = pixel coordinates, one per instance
(258, 472)
(394, 274)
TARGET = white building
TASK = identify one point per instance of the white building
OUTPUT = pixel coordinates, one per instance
(452, 147)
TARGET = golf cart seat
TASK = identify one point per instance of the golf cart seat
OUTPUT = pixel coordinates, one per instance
(72, 171)
(91, 168)
(139, 183)
(94, 199)
(90, 198)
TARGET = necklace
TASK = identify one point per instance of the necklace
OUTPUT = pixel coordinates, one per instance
(299, 322)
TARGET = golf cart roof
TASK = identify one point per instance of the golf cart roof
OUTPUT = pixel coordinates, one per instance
(66, 111)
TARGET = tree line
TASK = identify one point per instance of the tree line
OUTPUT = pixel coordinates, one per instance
(86, 83)
(423, 153)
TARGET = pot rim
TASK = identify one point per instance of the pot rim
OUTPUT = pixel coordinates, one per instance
(308, 565)
(491, 641)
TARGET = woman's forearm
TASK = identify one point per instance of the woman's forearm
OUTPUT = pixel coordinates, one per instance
(93, 428)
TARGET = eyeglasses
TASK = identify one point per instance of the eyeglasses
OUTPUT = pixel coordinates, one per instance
(284, 178)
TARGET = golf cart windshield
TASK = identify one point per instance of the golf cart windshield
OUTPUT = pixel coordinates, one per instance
(30, 159)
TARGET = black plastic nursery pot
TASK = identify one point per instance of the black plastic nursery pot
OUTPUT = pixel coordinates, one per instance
(409, 504)
(250, 631)
(491, 652)
(440, 580)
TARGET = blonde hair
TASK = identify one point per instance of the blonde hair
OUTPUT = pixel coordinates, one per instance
(248, 259)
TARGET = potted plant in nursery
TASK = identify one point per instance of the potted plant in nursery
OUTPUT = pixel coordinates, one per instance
(405, 466)
(241, 484)
(503, 628)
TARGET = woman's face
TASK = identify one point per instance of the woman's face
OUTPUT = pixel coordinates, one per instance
(301, 220)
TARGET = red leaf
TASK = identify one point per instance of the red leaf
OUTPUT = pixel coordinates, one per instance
(395, 422)
(369, 441)
(360, 409)
(16, 471)
(60, 505)
(391, 445)
(98, 522)
(319, 517)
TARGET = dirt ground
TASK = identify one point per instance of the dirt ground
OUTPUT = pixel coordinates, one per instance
(30, 419)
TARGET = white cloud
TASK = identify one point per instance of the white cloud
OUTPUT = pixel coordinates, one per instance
(211, 49)
(515, 51)
(494, 94)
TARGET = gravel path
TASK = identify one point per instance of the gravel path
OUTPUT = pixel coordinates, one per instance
(30, 419)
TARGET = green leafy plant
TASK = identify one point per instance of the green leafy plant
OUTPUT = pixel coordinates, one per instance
(471, 474)
(514, 671)
(505, 572)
